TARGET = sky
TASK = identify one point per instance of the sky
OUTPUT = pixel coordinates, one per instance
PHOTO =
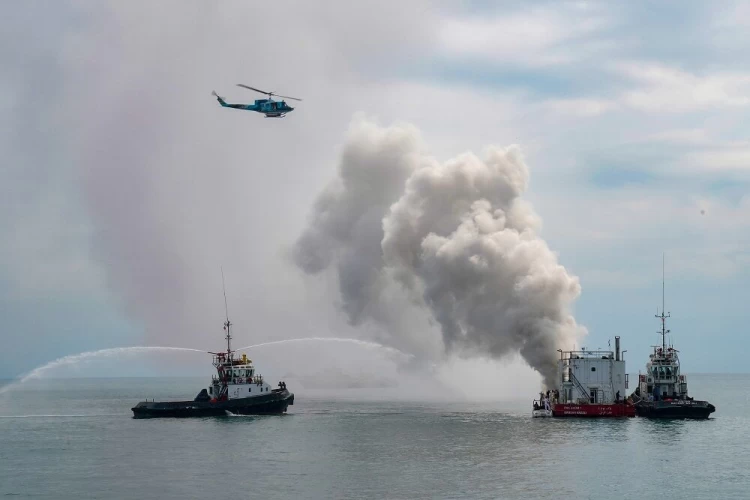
(125, 188)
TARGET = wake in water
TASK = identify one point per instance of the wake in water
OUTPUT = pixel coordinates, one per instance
(77, 358)
(365, 343)
(230, 414)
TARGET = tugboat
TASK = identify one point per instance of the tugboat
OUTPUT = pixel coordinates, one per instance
(662, 391)
(590, 385)
(236, 390)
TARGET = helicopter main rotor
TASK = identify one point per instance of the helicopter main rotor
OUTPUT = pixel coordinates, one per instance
(269, 94)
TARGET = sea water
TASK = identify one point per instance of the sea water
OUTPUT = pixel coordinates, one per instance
(76, 438)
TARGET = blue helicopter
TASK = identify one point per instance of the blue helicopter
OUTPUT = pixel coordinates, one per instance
(269, 107)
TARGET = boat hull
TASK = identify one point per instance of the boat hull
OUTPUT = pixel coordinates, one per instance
(274, 403)
(593, 410)
(541, 413)
(675, 409)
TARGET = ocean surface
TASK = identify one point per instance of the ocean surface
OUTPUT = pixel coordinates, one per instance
(76, 438)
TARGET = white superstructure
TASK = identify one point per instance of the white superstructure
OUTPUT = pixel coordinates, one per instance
(239, 378)
(592, 376)
(236, 377)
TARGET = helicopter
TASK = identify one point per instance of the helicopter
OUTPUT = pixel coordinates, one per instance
(269, 107)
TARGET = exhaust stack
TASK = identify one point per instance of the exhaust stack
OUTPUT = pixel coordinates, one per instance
(617, 348)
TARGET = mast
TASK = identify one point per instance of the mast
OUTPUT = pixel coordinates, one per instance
(227, 324)
(663, 317)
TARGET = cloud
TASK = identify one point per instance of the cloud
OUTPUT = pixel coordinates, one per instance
(580, 107)
(670, 90)
(612, 278)
(726, 159)
(536, 37)
(624, 231)
(691, 136)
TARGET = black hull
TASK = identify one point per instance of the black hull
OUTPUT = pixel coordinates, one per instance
(699, 410)
(274, 403)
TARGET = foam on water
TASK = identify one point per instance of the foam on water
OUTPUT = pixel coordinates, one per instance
(230, 414)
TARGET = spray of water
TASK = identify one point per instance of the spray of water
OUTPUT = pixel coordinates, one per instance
(77, 415)
(84, 356)
(117, 351)
(364, 343)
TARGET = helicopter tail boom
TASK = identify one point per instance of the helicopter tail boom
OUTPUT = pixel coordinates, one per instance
(218, 98)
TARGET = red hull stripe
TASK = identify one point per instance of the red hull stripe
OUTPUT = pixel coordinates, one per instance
(592, 410)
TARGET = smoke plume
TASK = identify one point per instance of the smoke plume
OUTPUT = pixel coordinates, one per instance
(456, 237)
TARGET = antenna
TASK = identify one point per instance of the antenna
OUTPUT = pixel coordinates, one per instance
(663, 317)
(662, 282)
(223, 286)
(227, 324)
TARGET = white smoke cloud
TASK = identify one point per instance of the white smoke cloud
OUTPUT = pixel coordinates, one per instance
(455, 241)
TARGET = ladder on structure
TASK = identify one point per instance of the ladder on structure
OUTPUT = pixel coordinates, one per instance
(578, 385)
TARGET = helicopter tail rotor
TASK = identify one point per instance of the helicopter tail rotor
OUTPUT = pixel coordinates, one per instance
(218, 97)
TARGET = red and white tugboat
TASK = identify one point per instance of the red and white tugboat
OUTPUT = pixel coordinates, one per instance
(236, 389)
(590, 384)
